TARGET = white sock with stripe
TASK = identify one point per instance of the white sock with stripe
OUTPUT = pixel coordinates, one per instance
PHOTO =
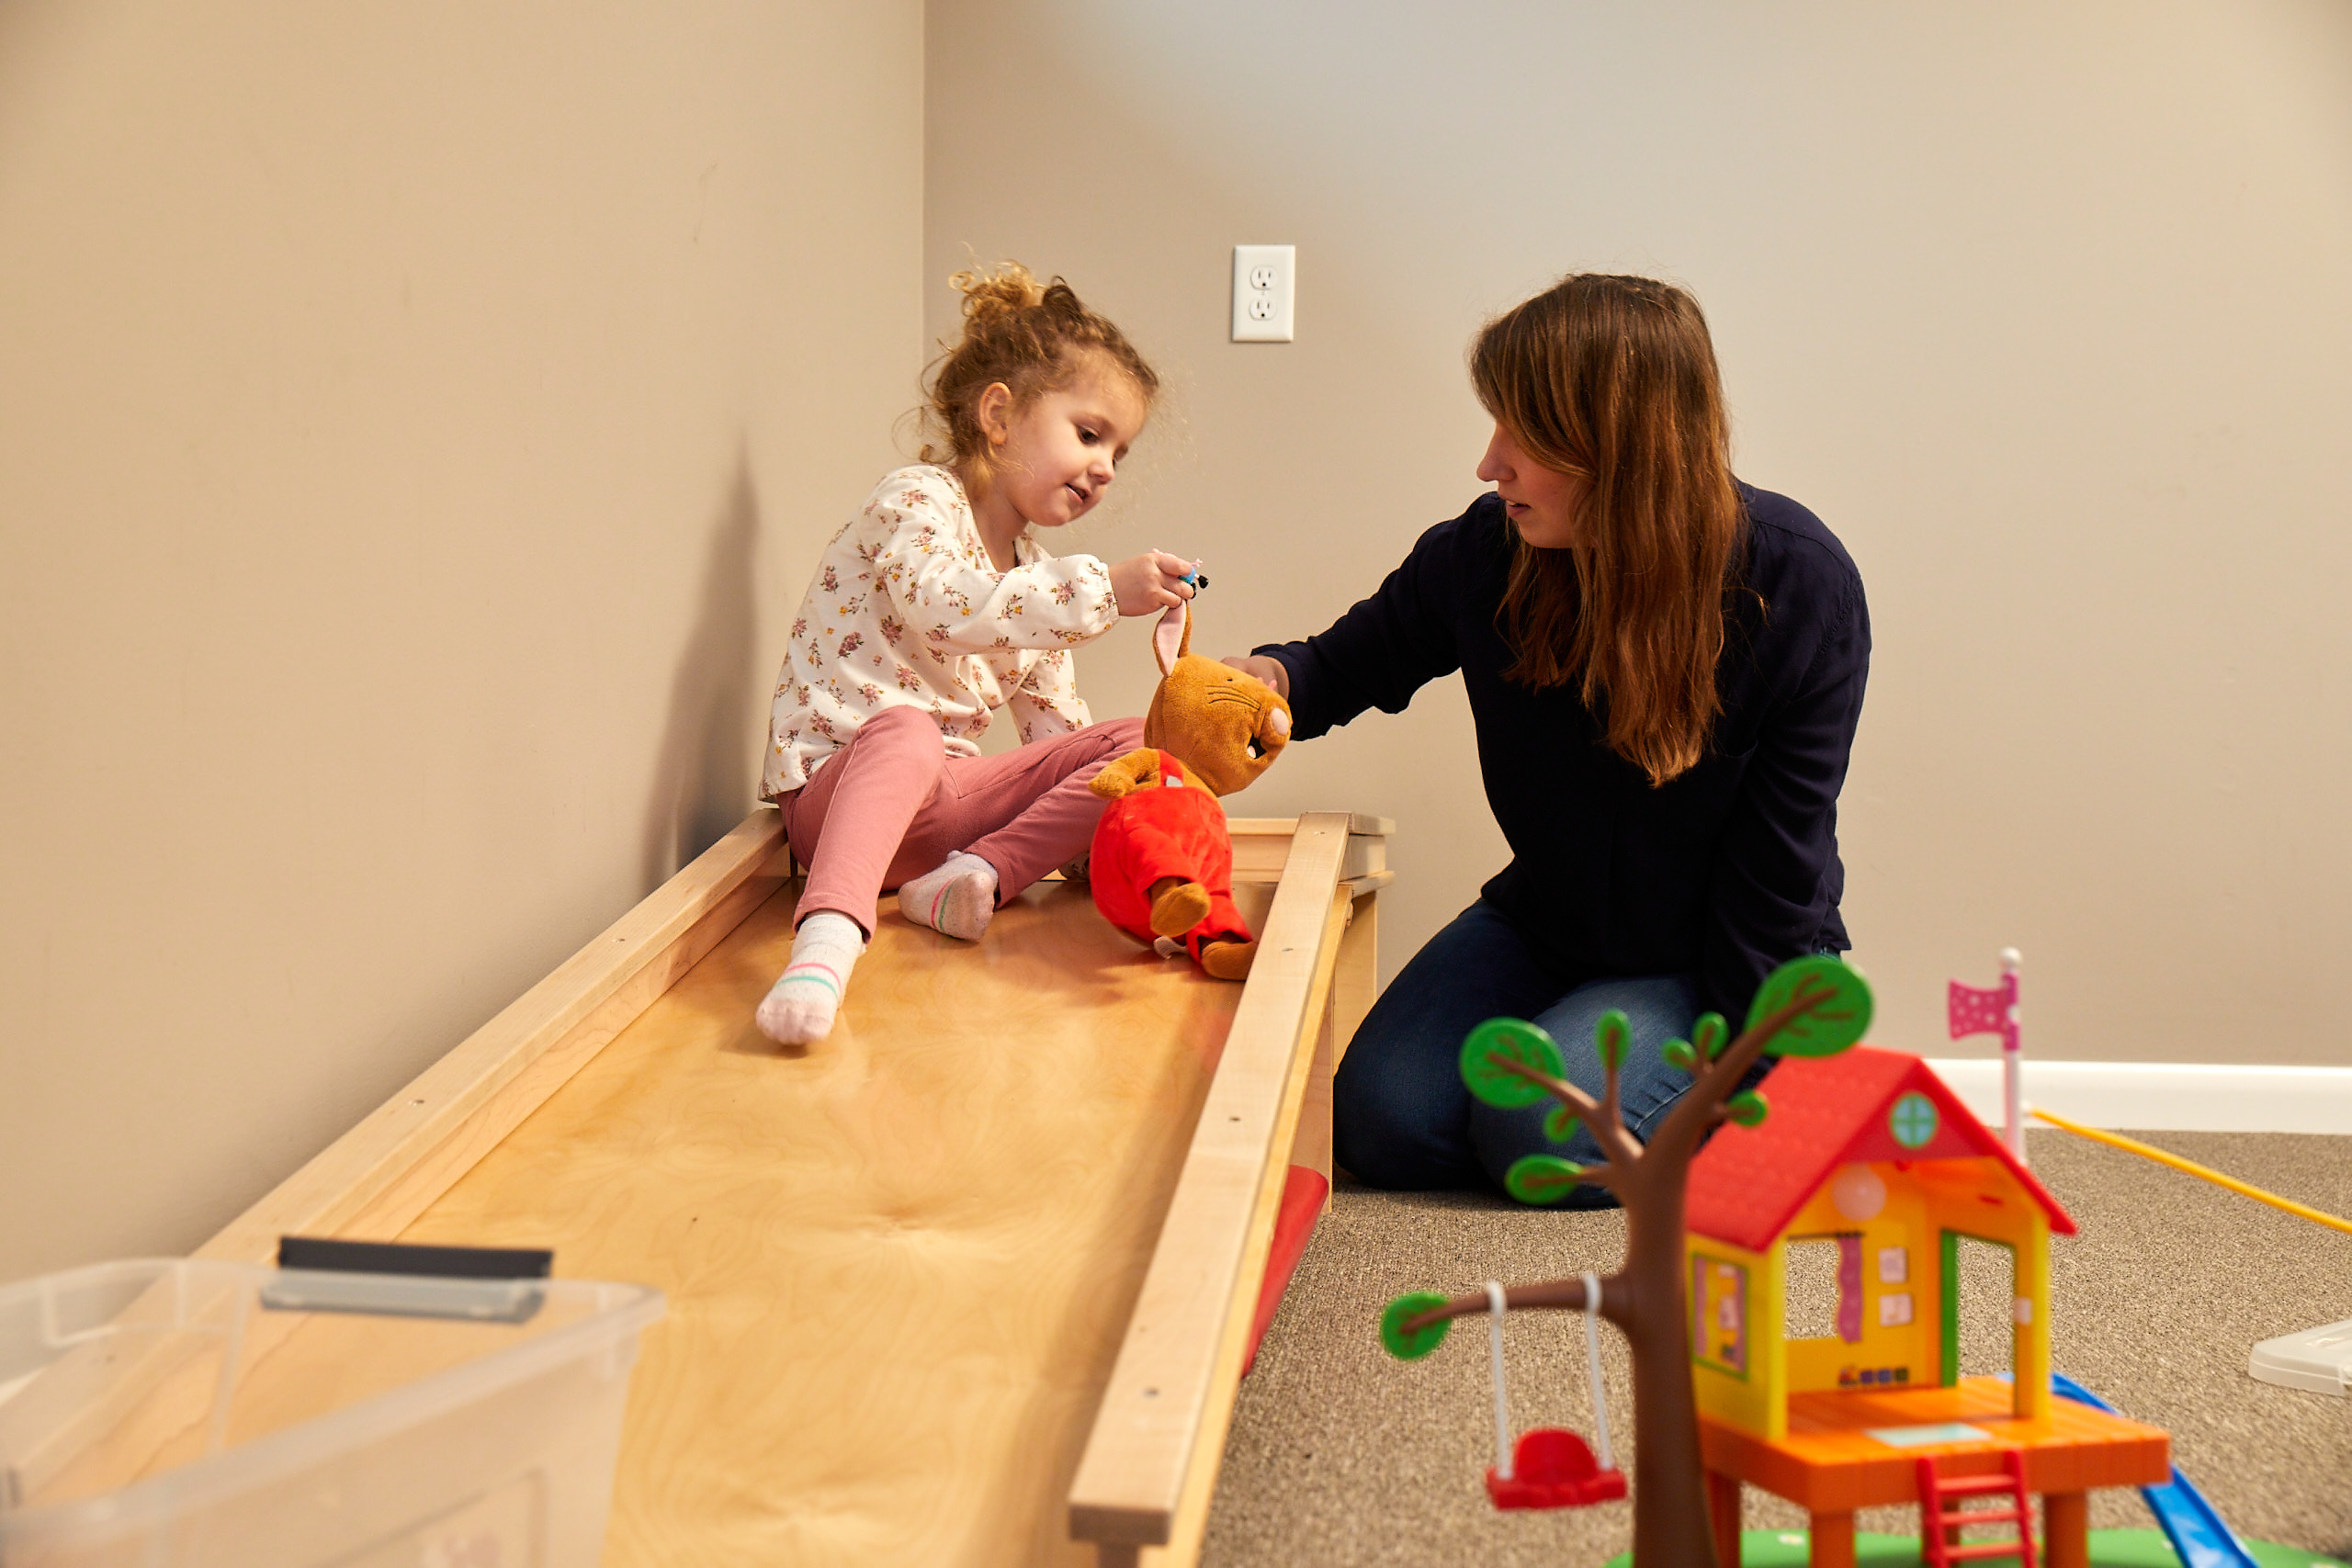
(954, 901)
(800, 1006)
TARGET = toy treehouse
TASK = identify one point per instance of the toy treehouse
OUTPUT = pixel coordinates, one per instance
(1872, 1166)
(1858, 1158)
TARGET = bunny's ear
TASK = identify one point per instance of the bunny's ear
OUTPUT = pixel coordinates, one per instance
(1171, 639)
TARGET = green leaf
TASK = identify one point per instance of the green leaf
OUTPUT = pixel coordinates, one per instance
(1679, 1055)
(1513, 1040)
(1711, 1034)
(1749, 1107)
(1412, 1347)
(1836, 1021)
(1610, 1036)
(1559, 1126)
(1541, 1178)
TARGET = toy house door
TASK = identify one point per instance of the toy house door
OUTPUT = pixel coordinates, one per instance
(1950, 1273)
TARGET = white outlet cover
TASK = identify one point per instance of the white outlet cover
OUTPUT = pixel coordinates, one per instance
(1265, 288)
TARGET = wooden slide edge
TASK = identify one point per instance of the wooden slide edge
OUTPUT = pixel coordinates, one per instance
(392, 1165)
(1150, 1461)
(1358, 826)
(1262, 847)
(1190, 1526)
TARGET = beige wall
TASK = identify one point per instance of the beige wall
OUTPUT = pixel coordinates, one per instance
(2043, 309)
(415, 424)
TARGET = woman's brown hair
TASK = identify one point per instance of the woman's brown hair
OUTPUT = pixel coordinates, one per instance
(1034, 337)
(1614, 379)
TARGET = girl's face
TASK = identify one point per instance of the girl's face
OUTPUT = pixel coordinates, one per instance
(1052, 460)
(1542, 503)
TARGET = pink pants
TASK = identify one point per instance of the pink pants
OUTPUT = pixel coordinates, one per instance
(892, 805)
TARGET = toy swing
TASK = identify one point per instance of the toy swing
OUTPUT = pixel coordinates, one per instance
(1551, 1468)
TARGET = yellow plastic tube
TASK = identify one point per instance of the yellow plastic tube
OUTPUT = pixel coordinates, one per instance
(2132, 1146)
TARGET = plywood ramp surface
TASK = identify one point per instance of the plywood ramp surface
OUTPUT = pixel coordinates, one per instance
(900, 1261)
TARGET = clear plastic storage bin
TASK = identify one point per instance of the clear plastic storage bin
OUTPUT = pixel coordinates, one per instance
(178, 1413)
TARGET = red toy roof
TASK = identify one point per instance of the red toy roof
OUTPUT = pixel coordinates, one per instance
(1748, 1183)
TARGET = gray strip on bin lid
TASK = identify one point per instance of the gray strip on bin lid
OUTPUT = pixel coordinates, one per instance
(406, 1257)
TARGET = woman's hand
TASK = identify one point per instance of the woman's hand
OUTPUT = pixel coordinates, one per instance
(1269, 670)
(1151, 582)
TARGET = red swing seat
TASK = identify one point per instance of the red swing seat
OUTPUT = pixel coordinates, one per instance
(1552, 1469)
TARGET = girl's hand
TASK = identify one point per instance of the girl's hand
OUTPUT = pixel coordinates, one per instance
(1151, 582)
(1270, 670)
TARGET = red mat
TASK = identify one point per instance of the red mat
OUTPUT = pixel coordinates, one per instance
(1303, 1191)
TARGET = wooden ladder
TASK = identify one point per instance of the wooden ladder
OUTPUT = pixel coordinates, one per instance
(1943, 1512)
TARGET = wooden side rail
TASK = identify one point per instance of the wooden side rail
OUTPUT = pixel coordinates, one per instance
(1150, 1465)
(401, 1156)
(1261, 848)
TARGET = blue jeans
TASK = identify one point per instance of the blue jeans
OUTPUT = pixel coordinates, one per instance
(1401, 1116)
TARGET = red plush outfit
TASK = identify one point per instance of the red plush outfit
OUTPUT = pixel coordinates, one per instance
(1175, 828)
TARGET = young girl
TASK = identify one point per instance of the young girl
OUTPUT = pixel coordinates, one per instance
(935, 608)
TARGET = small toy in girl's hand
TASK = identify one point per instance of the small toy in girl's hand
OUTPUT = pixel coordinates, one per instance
(1162, 861)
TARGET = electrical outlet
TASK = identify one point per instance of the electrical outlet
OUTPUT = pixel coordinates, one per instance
(1265, 281)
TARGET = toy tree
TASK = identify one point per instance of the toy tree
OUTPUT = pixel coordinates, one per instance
(1813, 1007)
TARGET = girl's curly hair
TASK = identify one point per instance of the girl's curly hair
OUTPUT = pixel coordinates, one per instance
(1034, 338)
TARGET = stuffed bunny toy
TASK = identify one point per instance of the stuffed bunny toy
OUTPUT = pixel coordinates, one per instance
(1162, 862)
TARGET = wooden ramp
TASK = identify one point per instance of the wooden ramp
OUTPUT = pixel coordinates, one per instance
(972, 1274)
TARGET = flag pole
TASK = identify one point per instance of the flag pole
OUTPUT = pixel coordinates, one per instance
(2013, 1028)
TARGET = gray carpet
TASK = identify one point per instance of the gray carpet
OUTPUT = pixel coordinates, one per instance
(1341, 1456)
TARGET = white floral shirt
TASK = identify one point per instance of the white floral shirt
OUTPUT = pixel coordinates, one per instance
(907, 611)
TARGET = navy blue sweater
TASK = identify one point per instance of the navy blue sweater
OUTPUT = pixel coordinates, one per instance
(1726, 871)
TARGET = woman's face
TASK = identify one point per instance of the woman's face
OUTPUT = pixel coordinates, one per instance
(1542, 503)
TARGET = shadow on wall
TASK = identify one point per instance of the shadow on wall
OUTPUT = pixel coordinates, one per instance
(703, 777)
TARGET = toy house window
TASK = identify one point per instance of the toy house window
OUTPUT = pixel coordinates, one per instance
(1825, 1287)
(1719, 1321)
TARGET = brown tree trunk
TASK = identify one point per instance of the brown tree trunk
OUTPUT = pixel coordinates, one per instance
(1670, 1521)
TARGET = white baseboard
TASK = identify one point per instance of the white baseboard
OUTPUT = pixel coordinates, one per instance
(2189, 1097)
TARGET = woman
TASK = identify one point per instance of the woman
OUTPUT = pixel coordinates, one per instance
(1665, 666)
